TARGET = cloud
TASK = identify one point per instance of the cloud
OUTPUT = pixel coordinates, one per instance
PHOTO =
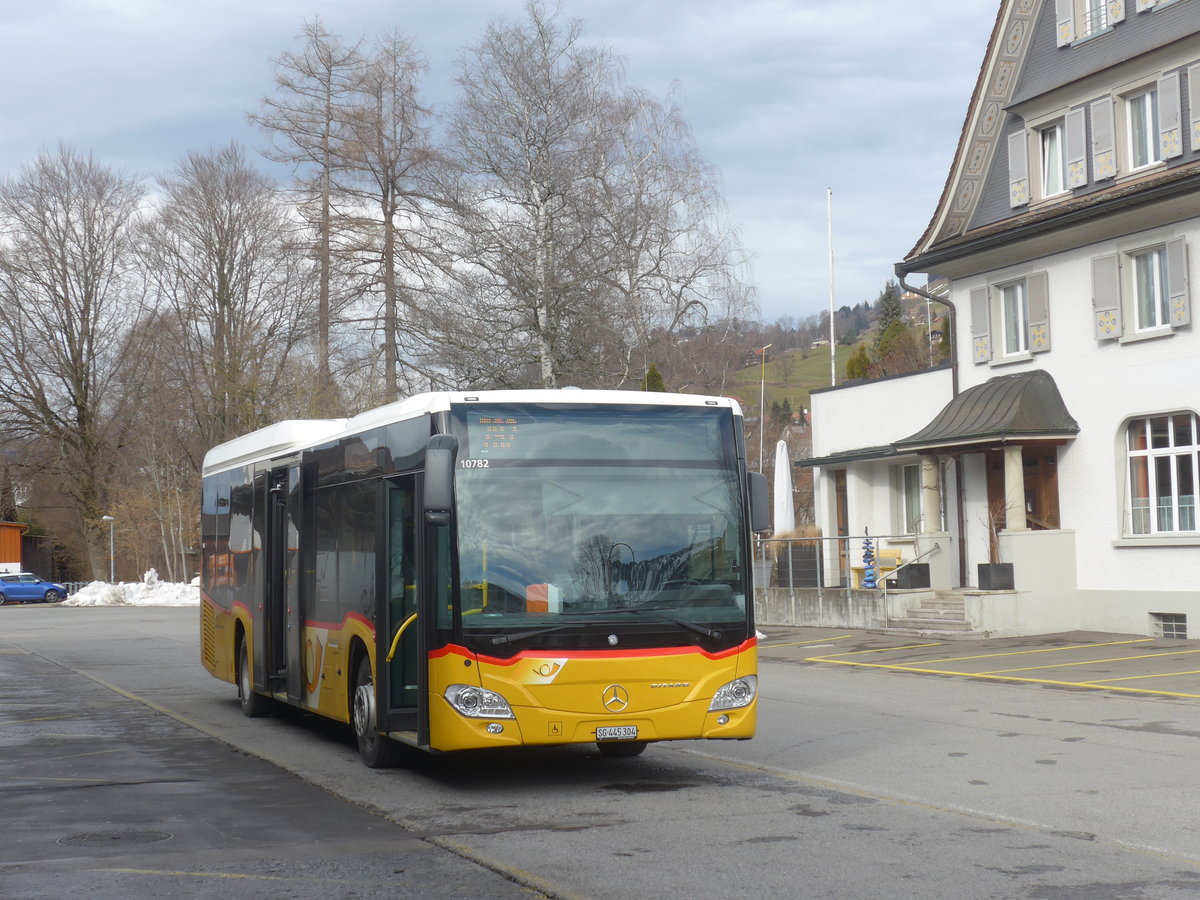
(787, 98)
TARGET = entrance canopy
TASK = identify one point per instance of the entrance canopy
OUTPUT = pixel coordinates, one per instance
(1006, 409)
(1021, 407)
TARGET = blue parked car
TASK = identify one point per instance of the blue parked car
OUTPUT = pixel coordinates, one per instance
(25, 587)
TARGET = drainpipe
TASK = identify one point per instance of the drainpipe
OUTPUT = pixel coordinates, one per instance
(952, 321)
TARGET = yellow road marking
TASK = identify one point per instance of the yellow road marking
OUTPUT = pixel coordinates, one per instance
(1136, 677)
(810, 641)
(1040, 650)
(1078, 684)
(1088, 662)
(876, 650)
(178, 874)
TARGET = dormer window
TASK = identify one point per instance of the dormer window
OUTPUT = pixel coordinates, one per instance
(1142, 112)
(1095, 17)
(1053, 160)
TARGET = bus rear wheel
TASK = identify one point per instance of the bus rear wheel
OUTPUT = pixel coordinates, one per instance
(254, 706)
(376, 751)
(620, 749)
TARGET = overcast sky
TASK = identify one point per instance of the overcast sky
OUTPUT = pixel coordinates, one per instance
(788, 98)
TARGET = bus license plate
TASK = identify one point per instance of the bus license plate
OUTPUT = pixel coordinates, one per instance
(617, 733)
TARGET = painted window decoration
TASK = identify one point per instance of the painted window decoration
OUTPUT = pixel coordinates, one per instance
(1010, 320)
(1141, 293)
(1164, 469)
(1078, 19)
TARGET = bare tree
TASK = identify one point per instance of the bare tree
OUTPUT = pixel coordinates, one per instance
(303, 118)
(386, 162)
(529, 131)
(674, 264)
(235, 295)
(590, 224)
(65, 311)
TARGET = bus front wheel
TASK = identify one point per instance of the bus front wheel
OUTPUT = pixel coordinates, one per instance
(377, 751)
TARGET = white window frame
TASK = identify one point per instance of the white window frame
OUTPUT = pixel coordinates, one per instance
(1013, 314)
(1156, 476)
(1093, 17)
(1053, 155)
(906, 496)
(1148, 289)
(1141, 114)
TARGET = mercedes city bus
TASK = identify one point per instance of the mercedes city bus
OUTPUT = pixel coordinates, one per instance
(492, 569)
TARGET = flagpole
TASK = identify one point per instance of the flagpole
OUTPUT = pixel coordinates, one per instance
(832, 336)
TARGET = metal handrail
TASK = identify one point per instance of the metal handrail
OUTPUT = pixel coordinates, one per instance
(887, 619)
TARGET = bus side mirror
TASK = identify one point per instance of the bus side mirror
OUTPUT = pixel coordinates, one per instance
(760, 501)
(441, 455)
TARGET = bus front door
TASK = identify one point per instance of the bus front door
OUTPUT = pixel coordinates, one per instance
(399, 652)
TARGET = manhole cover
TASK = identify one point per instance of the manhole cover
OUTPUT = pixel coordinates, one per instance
(115, 838)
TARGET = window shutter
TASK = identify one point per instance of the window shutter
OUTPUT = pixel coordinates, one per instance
(1194, 105)
(1116, 11)
(1177, 282)
(1106, 297)
(981, 326)
(1037, 287)
(1018, 169)
(1170, 137)
(1076, 149)
(1104, 160)
(1065, 16)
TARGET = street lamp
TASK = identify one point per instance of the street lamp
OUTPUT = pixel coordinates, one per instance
(112, 565)
(762, 404)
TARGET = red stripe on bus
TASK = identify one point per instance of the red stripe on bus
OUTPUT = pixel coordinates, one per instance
(646, 653)
(338, 626)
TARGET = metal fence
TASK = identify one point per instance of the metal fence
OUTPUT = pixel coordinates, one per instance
(837, 582)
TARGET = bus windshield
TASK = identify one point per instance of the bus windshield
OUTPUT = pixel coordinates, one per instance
(575, 524)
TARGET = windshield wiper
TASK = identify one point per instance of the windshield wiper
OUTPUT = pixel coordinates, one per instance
(522, 635)
(703, 630)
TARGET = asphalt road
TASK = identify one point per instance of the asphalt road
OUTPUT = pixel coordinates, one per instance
(902, 779)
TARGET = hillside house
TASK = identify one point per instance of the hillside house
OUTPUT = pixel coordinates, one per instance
(1064, 438)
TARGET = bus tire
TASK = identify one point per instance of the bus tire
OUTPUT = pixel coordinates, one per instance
(254, 706)
(376, 751)
(620, 749)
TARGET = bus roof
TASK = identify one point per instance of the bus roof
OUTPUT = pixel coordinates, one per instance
(293, 435)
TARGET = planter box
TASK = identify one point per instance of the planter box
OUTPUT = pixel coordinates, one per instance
(799, 565)
(996, 577)
(911, 577)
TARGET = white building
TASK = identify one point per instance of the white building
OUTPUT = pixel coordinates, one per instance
(1069, 233)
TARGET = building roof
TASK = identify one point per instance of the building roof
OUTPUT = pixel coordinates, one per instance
(1008, 408)
(1022, 406)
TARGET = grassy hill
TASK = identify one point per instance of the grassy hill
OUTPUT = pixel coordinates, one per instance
(791, 377)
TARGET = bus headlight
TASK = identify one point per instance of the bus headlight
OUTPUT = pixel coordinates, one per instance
(476, 703)
(736, 694)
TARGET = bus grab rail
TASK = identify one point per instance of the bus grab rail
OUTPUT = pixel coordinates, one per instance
(400, 631)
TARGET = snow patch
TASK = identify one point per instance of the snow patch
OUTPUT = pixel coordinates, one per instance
(147, 592)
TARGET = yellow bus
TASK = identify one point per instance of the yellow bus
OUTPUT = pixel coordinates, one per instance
(491, 569)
